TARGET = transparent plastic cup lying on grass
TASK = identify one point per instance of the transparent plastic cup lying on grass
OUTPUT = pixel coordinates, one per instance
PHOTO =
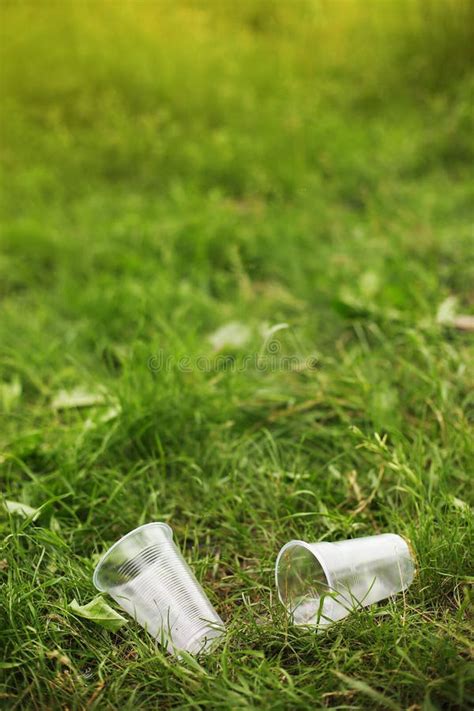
(321, 583)
(148, 577)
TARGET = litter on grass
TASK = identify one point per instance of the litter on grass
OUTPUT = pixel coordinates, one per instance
(318, 583)
(321, 583)
(148, 577)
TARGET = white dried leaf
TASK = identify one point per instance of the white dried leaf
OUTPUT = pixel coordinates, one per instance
(447, 310)
(234, 334)
(16, 507)
(78, 397)
(447, 316)
(463, 322)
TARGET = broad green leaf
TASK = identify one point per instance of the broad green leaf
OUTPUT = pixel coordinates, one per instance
(9, 665)
(98, 611)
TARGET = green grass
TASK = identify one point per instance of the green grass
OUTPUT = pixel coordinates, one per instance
(169, 168)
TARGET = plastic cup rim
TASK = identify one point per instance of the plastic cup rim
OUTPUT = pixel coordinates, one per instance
(309, 547)
(168, 530)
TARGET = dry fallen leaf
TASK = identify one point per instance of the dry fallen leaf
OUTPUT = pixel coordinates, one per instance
(16, 507)
(463, 322)
(234, 334)
(447, 316)
(446, 310)
(78, 397)
(60, 657)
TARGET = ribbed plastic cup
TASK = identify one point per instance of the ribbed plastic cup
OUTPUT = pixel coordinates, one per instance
(321, 583)
(148, 577)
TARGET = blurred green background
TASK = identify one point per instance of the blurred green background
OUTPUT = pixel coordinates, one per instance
(165, 153)
(172, 167)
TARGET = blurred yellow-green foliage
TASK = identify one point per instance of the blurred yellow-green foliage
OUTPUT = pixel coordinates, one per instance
(246, 96)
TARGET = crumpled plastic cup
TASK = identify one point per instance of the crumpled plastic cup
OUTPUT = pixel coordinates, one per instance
(321, 583)
(148, 577)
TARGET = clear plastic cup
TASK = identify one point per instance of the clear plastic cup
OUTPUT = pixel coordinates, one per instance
(321, 583)
(148, 577)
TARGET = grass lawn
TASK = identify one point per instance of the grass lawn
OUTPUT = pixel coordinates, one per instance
(301, 171)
